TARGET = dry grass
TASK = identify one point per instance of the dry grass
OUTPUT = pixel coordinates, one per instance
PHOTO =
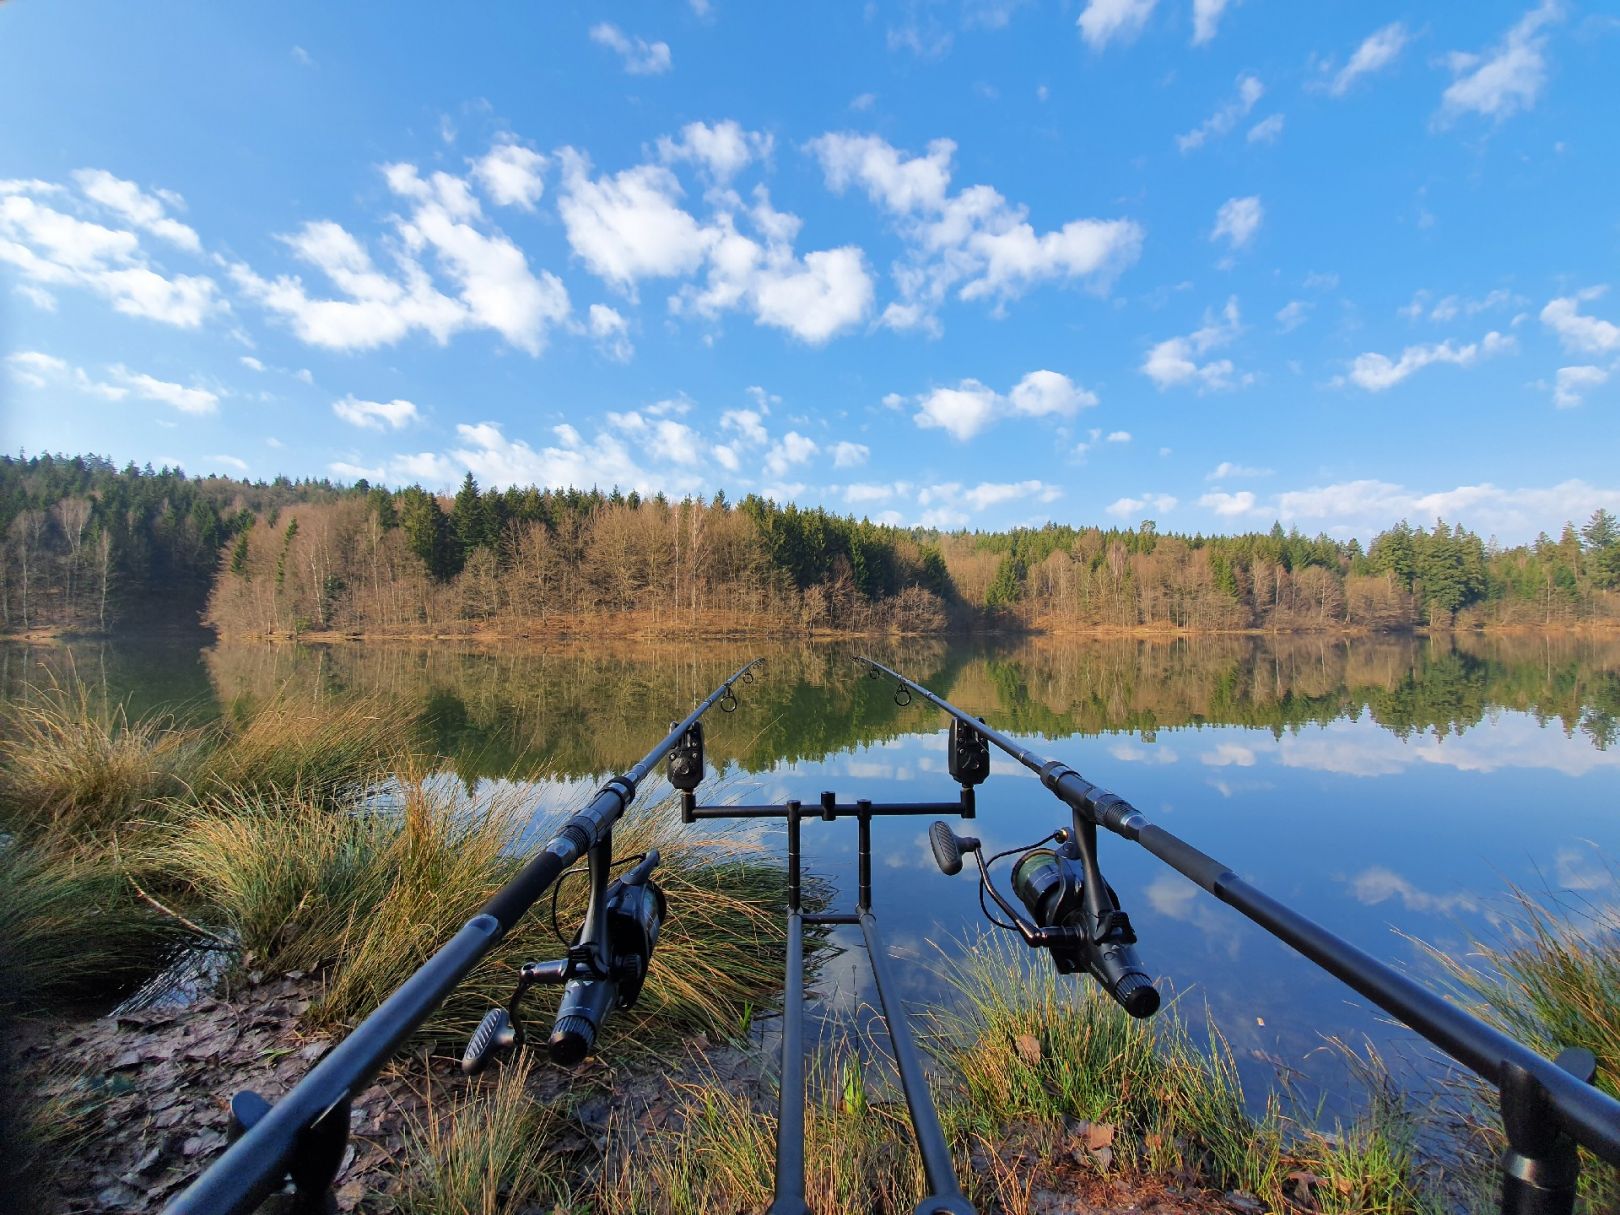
(485, 1151)
(74, 768)
(322, 751)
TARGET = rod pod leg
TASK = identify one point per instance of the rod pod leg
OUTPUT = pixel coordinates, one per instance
(1541, 1167)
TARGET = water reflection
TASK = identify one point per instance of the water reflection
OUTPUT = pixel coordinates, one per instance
(1374, 783)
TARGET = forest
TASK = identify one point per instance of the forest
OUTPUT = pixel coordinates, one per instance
(88, 546)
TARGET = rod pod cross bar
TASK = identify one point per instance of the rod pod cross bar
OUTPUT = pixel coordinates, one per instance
(303, 1136)
(1547, 1105)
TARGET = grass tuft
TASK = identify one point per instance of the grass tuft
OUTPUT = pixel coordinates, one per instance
(485, 1151)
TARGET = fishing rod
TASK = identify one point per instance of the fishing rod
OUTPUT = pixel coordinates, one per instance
(1548, 1106)
(303, 1137)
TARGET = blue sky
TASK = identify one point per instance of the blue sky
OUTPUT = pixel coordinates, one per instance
(966, 263)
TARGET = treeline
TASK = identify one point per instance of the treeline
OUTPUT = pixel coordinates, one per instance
(1444, 576)
(85, 545)
(377, 562)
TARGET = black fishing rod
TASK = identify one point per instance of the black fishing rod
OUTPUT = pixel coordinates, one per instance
(1548, 1106)
(304, 1136)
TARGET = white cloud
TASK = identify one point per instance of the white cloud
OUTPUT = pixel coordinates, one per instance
(747, 424)
(1453, 306)
(850, 455)
(1228, 755)
(1228, 505)
(973, 244)
(1573, 383)
(968, 408)
(1126, 508)
(1206, 19)
(1226, 469)
(498, 461)
(32, 367)
(611, 331)
(376, 415)
(793, 448)
(1508, 79)
(723, 149)
(629, 226)
(1238, 220)
(726, 455)
(236, 462)
(1041, 393)
(37, 296)
(1378, 373)
(1380, 884)
(989, 493)
(511, 175)
(815, 297)
(1578, 333)
(1267, 130)
(186, 400)
(494, 286)
(1223, 120)
(49, 248)
(251, 363)
(354, 472)
(137, 207)
(1173, 363)
(1376, 52)
(639, 57)
(1105, 21)
(1292, 315)
(676, 441)
(1366, 506)
(1118, 436)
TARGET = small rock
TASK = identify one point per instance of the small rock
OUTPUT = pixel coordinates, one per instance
(1245, 1202)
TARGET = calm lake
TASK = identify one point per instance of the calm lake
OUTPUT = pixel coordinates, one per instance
(1392, 788)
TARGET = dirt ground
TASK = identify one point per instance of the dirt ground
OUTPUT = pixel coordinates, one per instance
(136, 1106)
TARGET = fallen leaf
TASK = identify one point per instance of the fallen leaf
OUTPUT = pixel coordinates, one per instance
(1028, 1047)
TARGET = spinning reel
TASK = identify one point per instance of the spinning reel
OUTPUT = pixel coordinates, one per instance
(1073, 912)
(604, 970)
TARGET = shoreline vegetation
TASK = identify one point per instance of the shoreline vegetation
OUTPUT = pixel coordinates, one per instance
(87, 546)
(314, 857)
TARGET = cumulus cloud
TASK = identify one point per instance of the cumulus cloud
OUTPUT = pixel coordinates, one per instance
(1378, 372)
(723, 150)
(1238, 220)
(375, 415)
(1376, 52)
(511, 175)
(1579, 333)
(1450, 307)
(1366, 506)
(49, 245)
(972, 244)
(569, 460)
(1573, 383)
(639, 57)
(1292, 315)
(746, 422)
(1223, 120)
(629, 226)
(793, 448)
(1105, 21)
(945, 502)
(492, 283)
(1228, 505)
(1174, 363)
(968, 408)
(1128, 508)
(850, 455)
(1508, 78)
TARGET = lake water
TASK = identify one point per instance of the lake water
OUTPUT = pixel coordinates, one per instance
(1391, 788)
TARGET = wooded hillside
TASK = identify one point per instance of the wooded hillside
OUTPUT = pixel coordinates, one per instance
(87, 545)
